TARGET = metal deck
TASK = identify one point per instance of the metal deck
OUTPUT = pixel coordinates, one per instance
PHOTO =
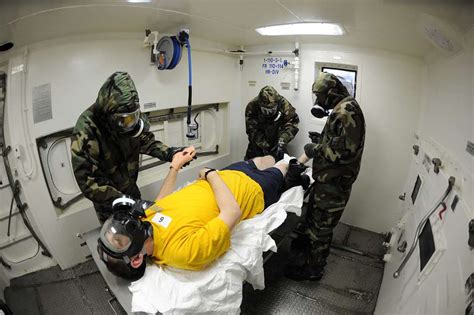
(350, 285)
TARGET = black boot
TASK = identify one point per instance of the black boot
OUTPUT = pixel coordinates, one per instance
(294, 175)
(304, 272)
(311, 269)
(301, 243)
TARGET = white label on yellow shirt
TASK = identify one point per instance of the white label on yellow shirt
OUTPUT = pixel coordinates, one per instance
(161, 219)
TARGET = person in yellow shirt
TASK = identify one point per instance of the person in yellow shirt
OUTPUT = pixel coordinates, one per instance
(189, 228)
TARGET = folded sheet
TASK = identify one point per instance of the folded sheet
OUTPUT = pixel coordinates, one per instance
(218, 288)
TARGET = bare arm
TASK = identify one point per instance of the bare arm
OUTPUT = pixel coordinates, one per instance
(303, 158)
(228, 206)
(169, 184)
(179, 159)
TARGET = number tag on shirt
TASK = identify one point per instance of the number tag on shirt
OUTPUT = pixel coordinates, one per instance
(162, 220)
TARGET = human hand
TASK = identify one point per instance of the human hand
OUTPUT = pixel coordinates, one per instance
(280, 151)
(183, 157)
(314, 136)
(194, 156)
(309, 150)
(202, 172)
(174, 150)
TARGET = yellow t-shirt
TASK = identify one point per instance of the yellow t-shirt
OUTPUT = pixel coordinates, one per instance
(187, 232)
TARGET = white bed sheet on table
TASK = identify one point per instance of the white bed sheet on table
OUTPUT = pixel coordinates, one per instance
(218, 288)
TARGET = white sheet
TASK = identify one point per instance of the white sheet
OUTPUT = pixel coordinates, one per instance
(218, 288)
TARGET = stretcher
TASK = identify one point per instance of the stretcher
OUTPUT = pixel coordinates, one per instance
(218, 288)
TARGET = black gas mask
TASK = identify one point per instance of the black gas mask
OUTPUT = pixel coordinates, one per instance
(318, 110)
(123, 234)
(130, 124)
(271, 112)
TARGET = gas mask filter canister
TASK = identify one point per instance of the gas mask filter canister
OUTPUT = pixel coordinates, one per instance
(317, 110)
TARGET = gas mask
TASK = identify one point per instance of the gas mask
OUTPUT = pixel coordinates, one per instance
(129, 123)
(317, 110)
(123, 234)
(271, 113)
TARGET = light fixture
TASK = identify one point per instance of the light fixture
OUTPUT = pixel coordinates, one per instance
(139, 1)
(301, 29)
(6, 46)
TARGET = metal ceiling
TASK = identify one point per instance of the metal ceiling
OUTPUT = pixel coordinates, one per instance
(379, 24)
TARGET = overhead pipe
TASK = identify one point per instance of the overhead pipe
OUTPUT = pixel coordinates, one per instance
(296, 65)
(241, 53)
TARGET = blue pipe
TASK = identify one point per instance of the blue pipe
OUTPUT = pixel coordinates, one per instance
(190, 68)
(190, 83)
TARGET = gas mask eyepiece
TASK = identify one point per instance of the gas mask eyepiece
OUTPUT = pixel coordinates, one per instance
(130, 123)
(123, 234)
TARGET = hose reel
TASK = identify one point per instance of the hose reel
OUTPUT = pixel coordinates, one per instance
(166, 55)
(169, 53)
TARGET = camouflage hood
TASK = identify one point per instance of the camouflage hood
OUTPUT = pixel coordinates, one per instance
(268, 97)
(117, 95)
(329, 84)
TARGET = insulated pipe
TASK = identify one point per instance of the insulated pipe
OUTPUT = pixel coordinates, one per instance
(155, 42)
(296, 64)
(244, 53)
(260, 53)
(241, 53)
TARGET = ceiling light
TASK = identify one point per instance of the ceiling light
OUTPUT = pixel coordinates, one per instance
(301, 29)
(139, 1)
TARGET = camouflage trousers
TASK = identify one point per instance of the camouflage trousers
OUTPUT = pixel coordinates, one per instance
(104, 211)
(325, 207)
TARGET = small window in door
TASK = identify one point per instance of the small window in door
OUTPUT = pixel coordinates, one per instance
(347, 74)
(347, 77)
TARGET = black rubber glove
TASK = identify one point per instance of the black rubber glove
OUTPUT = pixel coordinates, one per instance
(267, 152)
(314, 136)
(295, 175)
(279, 151)
(309, 150)
(173, 150)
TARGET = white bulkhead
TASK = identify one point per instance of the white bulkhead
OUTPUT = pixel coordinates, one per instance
(414, 64)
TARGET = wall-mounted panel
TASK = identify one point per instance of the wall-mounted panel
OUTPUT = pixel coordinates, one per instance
(168, 126)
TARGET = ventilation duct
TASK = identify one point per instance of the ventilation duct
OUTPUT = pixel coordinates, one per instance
(440, 34)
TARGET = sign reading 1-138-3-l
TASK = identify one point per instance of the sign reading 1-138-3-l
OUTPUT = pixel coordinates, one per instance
(273, 65)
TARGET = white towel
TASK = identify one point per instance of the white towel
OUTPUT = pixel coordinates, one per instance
(218, 288)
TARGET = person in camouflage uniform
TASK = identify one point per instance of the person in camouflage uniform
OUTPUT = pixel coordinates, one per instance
(271, 122)
(106, 143)
(336, 164)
